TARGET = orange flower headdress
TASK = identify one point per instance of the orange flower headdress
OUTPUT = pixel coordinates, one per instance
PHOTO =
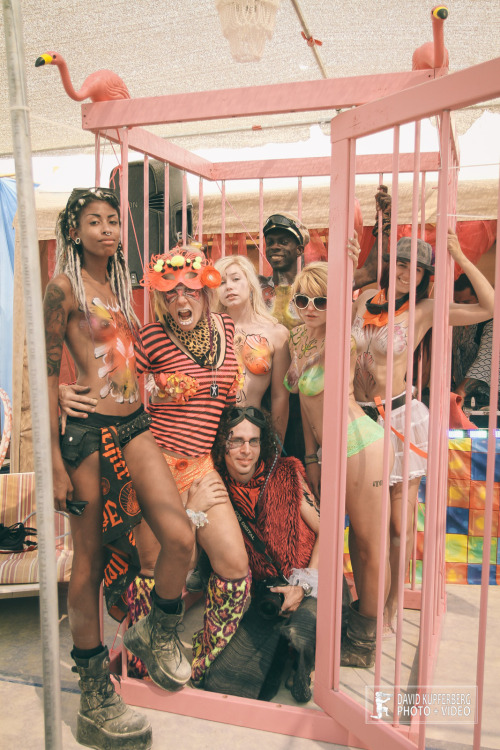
(183, 265)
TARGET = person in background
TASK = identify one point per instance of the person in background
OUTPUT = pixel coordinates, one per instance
(285, 237)
(471, 354)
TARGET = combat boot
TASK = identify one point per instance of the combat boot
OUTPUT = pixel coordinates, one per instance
(358, 646)
(154, 640)
(104, 721)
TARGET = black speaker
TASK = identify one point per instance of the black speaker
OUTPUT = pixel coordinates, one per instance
(156, 211)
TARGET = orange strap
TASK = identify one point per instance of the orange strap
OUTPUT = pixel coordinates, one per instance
(381, 411)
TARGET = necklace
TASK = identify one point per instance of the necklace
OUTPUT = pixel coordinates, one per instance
(214, 388)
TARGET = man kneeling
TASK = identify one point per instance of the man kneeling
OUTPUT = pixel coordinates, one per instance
(279, 520)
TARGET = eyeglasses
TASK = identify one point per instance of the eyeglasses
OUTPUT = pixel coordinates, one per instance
(182, 291)
(236, 443)
(254, 415)
(302, 301)
(277, 221)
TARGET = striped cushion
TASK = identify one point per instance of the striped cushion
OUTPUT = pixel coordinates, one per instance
(17, 503)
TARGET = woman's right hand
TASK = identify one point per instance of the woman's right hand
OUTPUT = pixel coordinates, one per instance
(74, 403)
(206, 492)
(454, 248)
(63, 489)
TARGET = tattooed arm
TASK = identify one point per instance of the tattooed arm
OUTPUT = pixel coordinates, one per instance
(57, 305)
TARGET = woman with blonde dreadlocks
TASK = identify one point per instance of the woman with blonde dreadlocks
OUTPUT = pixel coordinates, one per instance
(109, 470)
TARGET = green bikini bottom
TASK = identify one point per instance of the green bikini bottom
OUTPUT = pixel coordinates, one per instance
(361, 432)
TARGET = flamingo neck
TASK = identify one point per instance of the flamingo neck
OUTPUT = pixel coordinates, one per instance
(438, 35)
(68, 86)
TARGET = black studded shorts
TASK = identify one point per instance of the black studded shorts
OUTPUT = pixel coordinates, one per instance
(83, 436)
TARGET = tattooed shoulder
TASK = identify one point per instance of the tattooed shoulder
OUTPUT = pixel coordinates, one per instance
(55, 325)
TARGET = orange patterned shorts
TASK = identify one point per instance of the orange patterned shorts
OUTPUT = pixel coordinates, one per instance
(186, 470)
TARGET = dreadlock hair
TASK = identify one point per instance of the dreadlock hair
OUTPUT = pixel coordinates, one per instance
(69, 255)
(268, 440)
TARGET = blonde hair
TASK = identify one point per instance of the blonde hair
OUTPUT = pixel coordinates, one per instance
(256, 300)
(312, 280)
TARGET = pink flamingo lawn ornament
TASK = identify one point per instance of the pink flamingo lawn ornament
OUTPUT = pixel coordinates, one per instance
(433, 54)
(100, 86)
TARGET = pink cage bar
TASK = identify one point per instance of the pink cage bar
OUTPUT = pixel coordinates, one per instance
(387, 101)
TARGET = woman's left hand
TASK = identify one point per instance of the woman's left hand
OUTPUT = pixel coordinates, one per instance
(293, 597)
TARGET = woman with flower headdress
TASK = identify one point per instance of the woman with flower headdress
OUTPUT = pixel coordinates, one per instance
(108, 470)
(192, 375)
(193, 370)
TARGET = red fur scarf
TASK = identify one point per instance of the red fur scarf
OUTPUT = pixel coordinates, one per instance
(288, 539)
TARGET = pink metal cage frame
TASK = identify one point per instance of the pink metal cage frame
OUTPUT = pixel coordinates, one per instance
(387, 101)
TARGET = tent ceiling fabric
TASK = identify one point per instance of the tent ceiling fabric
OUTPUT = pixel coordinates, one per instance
(168, 47)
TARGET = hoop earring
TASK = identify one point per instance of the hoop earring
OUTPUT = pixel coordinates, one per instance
(77, 241)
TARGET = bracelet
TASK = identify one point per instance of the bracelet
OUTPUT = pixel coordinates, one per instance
(311, 460)
(198, 517)
(307, 577)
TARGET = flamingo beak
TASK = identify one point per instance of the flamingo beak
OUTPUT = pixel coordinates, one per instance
(43, 60)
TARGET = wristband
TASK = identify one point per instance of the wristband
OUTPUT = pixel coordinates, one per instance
(197, 517)
(311, 460)
(306, 578)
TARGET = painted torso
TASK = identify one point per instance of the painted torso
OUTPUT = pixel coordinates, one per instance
(102, 346)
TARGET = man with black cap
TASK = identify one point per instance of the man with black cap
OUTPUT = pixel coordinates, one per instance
(285, 238)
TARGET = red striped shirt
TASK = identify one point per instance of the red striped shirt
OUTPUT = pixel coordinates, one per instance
(188, 429)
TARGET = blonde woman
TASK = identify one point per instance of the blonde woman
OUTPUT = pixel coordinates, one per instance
(260, 342)
(365, 445)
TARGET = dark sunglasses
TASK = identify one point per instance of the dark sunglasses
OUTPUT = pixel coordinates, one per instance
(277, 221)
(302, 300)
(254, 415)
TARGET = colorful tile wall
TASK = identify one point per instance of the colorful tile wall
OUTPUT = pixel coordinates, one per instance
(464, 516)
(465, 513)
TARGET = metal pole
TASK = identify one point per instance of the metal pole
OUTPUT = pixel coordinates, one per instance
(37, 368)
